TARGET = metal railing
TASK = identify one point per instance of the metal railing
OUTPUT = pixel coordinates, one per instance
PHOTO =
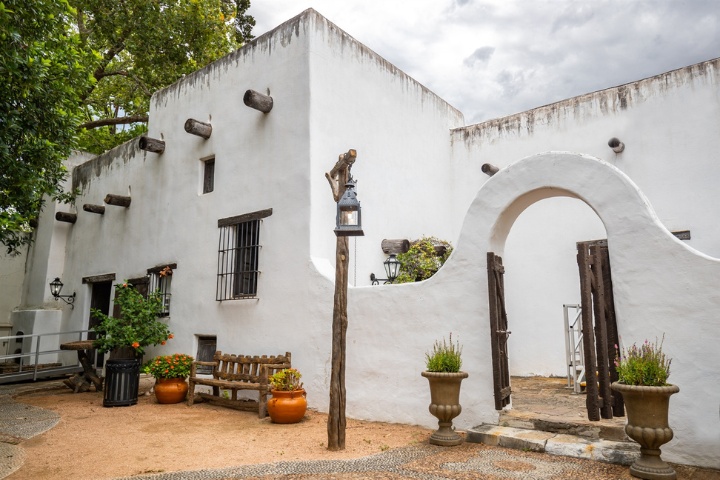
(574, 351)
(29, 370)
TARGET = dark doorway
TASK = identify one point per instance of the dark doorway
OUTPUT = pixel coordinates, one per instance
(100, 300)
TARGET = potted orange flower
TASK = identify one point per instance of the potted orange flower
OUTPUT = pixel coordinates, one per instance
(170, 372)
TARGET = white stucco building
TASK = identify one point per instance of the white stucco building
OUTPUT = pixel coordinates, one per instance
(419, 173)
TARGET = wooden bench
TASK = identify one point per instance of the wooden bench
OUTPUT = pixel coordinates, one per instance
(238, 372)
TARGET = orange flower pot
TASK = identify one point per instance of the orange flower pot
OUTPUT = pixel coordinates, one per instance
(287, 407)
(170, 390)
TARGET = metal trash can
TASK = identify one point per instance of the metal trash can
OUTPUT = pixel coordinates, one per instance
(122, 379)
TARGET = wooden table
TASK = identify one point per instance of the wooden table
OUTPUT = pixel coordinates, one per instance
(81, 382)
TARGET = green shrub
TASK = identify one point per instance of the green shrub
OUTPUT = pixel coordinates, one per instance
(422, 260)
(287, 380)
(445, 356)
(643, 365)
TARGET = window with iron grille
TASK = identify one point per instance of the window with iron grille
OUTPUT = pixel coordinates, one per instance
(238, 256)
(160, 279)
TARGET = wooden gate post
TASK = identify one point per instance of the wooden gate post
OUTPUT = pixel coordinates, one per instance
(338, 177)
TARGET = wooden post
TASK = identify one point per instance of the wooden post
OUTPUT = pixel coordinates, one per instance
(489, 169)
(196, 127)
(151, 144)
(99, 209)
(66, 217)
(401, 245)
(338, 177)
(258, 101)
(118, 200)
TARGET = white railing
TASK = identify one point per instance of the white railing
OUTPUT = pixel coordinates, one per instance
(28, 361)
(574, 351)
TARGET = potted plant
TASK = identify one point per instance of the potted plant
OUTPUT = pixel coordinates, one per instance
(642, 381)
(136, 327)
(288, 403)
(443, 373)
(170, 372)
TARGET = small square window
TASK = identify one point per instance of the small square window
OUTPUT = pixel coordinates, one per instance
(206, 351)
(208, 175)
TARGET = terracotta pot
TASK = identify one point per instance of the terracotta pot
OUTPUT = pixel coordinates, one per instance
(647, 424)
(170, 390)
(287, 407)
(445, 405)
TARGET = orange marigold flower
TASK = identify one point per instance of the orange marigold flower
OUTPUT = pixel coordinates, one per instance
(162, 343)
(171, 336)
(135, 344)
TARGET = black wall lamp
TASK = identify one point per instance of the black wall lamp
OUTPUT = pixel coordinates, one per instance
(392, 270)
(55, 288)
(348, 222)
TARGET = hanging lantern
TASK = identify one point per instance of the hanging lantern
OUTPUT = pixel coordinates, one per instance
(348, 222)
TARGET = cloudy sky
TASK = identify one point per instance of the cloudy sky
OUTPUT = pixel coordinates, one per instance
(491, 58)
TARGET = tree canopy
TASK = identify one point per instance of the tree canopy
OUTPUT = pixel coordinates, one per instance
(42, 75)
(142, 46)
(80, 74)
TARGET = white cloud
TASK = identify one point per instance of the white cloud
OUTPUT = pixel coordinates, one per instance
(496, 58)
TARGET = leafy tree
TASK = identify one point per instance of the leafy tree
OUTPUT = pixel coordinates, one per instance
(42, 77)
(142, 46)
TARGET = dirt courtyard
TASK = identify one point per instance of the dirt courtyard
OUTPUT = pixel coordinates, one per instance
(153, 438)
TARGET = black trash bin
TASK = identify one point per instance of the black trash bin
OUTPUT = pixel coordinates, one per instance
(122, 379)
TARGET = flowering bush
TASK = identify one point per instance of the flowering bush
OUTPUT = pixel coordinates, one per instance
(138, 325)
(445, 357)
(287, 380)
(643, 365)
(169, 366)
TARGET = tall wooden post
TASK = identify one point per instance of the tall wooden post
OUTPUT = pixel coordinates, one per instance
(338, 177)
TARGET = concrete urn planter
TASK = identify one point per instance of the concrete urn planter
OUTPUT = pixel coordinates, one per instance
(445, 405)
(647, 424)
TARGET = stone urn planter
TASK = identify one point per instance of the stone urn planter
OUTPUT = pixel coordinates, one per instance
(445, 405)
(647, 424)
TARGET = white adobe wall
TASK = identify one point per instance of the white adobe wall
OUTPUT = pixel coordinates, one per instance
(669, 125)
(400, 131)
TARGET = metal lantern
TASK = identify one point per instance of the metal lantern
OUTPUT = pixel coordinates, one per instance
(55, 288)
(392, 267)
(348, 222)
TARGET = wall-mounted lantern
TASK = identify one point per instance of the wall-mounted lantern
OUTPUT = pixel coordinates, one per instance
(55, 288)
(348, 222)
(392, 270)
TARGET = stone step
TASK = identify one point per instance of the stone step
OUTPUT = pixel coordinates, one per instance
(602, 430)
(617, 452)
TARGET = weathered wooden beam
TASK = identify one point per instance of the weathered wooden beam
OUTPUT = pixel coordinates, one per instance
(118, 200)
(66, 217)
(196, 127)
(99, 209)
(258, 101)
(338, 176)
(396, 246)
(151, 144)
(489, 169)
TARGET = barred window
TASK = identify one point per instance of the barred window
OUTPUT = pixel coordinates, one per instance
(238, 256)
(160, 280)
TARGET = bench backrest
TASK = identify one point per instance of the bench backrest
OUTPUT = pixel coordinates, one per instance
(255, 369)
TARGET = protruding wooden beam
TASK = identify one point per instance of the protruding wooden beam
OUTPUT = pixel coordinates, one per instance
(99, 209)
(196, 127)
(396, 246)
(338, 176)
(151, 144)
(119, 200)
(489, 169)
(66, 217)
(258, 101)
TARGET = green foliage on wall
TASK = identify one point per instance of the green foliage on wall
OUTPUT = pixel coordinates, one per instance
(425, 256)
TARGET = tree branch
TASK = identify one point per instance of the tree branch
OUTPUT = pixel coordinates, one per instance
(103, 122)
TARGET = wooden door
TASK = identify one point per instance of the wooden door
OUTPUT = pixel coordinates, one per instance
(599, 327)
(100, 300)
(499, 332)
